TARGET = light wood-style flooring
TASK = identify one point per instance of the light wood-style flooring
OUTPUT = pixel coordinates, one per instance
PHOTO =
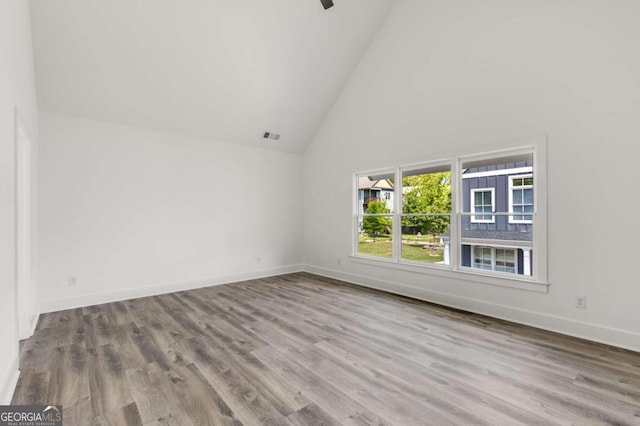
(303, 350)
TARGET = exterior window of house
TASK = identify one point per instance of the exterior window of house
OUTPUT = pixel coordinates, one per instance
(505, 260)
(482, 201)
(473, 214)
(521, 197)
(494, 259)
(482, 258)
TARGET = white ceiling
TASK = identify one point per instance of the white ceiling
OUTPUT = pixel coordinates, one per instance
(226, 70)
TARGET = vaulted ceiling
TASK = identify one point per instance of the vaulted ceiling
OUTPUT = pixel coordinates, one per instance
(223, 70)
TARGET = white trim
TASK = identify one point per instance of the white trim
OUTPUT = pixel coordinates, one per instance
(23, 169)
(625, 339)
(510, 194)
(472, 205)
(8, 386)
(500, 172)
(512, 244)
(478, 276)
(540, 196)
(163, 288)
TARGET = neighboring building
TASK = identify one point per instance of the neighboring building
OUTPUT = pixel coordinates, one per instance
(497, 242)
(374, 190)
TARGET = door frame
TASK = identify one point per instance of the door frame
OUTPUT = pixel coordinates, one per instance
(24, 283)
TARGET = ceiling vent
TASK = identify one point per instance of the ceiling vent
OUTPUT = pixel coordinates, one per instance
(273, 136)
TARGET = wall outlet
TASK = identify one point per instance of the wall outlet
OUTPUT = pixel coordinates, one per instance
(73, 281)
(581, 302)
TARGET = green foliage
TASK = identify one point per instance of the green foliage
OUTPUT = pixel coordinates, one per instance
(376, 225)
(428, 193)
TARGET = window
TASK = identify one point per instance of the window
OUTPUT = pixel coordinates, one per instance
(495, 259)
(374, 215)
(473, 214)
(482, 258)
(521, 198)
(426, 214)
(505, 261)
(482, 201)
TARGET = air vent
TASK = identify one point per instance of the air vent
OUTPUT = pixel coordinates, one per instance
(273, 136)
(326, 3)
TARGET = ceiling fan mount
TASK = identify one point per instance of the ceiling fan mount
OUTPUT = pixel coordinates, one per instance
(326, 4)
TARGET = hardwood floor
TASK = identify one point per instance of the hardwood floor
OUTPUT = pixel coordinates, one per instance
(303, 350)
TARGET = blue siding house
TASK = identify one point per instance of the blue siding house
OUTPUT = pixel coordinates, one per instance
(496, 242)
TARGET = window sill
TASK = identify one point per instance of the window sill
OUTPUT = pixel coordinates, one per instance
(467, 274)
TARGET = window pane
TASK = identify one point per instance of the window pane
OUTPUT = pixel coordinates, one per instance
(478, 199)
(505, 261)
(517, 197)
(482, 258)
(374, 237)
(375, 194)
(511, 233)
(426, 190)
(528, 196)
(425, 238)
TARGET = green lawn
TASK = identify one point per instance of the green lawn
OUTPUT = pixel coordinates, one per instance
(411, 250)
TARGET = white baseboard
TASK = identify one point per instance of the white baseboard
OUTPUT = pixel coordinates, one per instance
(154, 290)
(8, 387)
(610, 336)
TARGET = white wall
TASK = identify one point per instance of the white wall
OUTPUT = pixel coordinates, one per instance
(17, 90)
(448, 74)
(132, 212)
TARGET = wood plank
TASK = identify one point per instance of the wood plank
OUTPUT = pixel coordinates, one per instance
(300, 349)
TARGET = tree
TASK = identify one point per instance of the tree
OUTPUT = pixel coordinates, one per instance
(427, 193)
(376, 225)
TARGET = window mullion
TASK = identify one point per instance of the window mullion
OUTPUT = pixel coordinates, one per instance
(456, 219)
(397, 216)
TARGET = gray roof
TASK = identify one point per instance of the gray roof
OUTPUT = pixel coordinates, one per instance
(482, 234)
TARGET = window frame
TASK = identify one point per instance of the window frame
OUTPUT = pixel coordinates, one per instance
(472, 206)
(537, 281)
(494, 257)
(511, 188)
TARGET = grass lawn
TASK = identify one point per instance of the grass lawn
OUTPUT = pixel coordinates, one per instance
(383, 248)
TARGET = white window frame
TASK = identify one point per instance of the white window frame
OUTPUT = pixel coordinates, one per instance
(474, 219)
(515, 259)
(511, 188)
(491, 255)
(537, 281)
(494, 257)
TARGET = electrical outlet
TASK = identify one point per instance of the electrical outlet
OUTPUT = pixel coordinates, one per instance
(73, 281)
(581, 302)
